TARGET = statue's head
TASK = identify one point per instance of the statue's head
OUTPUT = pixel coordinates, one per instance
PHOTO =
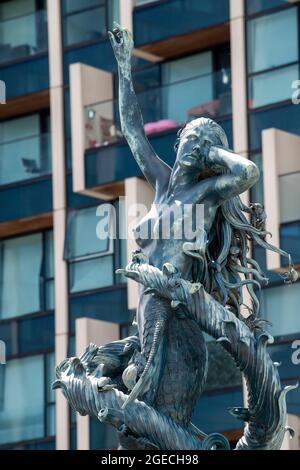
(191, 141)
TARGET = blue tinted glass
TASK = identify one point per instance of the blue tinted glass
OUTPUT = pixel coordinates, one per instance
(85, 26)
(50, 377)
(272, 87)
(268, 44)
(91, 274)
(36, 334)
(286, 118)
(73, 438)
(49, 255)
(212, 410)
(15, 167)
(180, 16)
(26, 200)
(70, 6)
(146, 78)
(82, 239)
(6, 333)
(280, 306)
(290, 240)
(108, 305)
(26, 77)
(20, 266)
(257, 6)
(22, 415)
(46, 445)
(50, 411)
(282, 353)
(22, 33)
(102, 436)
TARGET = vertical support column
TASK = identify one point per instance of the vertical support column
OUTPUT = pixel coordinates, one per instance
(239, 99)
(59, 209)
(139, 197)
(239, 76)
(126, 14)
(98, 332)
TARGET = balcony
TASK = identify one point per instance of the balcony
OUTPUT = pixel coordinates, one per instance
(165, 109)
(192, 25)
(23, 38)
(25, 177)
(25, 159)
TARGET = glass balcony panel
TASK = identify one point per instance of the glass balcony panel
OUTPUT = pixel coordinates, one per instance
(165, 108)
(257, 6)
(85, 26)
(23, 36)
(69, 6)
(25, 159)
(181, 16)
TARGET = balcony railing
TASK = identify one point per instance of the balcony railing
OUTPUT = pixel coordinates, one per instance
(23, 36)
(164, 108)
(25, 159)
(180, 16)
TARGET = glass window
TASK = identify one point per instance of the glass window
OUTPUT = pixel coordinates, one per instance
(85, 26)
(271, 87)
(284, 117)
(50, 394)
(22, 414)
(74, 5)
(82, 237)
(290, 241)
(24, 152)
(20, 264)
(23, 30)
(91, 274)
(186, 83)
(273, 40)
(88, 20)
(289, 190)
(102, 436)
(280, 306)
(35, 334)
(91, 259)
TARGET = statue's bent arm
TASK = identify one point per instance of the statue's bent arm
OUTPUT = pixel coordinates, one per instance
(236, 174)
(156, 171)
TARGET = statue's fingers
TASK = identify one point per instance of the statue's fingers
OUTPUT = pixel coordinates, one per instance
(117, 25)
(112, 38)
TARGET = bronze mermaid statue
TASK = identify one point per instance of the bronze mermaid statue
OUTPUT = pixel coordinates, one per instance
(148, 385)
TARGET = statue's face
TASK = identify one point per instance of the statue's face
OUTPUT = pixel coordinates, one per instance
(189, 154)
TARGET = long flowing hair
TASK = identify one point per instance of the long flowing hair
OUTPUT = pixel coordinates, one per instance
(225, 266)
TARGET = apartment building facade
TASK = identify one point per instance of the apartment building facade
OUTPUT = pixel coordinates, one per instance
(62, 156)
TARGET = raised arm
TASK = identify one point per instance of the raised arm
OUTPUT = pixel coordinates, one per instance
(154, 169)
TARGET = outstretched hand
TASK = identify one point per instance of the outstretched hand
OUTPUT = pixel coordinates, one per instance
(122, 44)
